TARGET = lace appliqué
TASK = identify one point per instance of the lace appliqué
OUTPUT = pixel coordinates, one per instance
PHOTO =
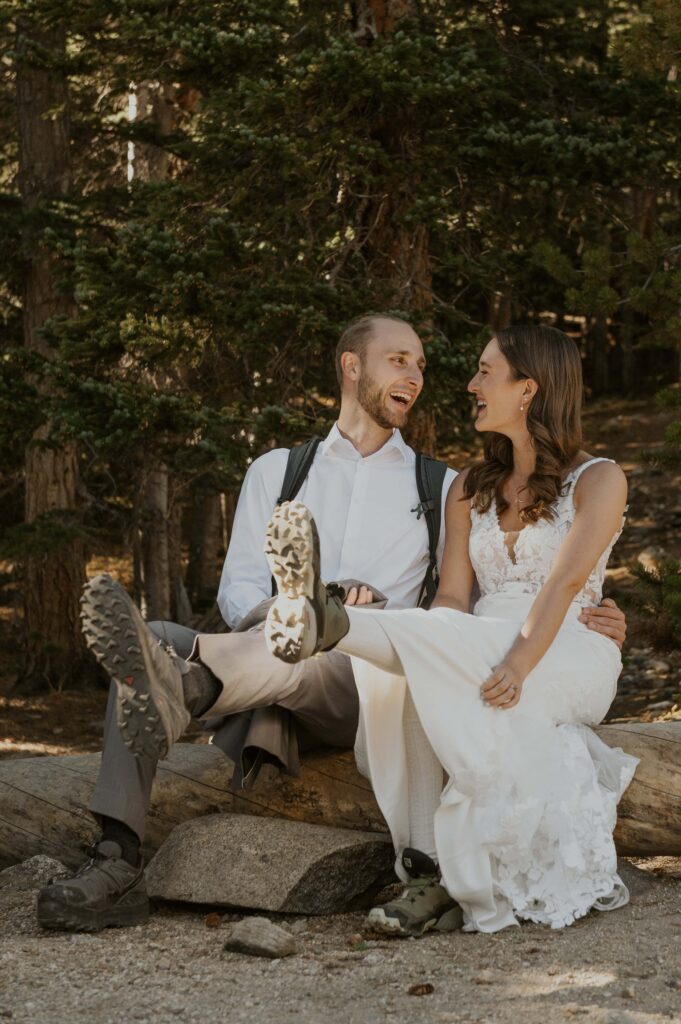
(525, 567)
(549, 833)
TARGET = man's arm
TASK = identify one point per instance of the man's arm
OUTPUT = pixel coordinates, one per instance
(607, 619)
(246, 580)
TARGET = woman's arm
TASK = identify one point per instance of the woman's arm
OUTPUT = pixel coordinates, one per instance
(456, 577)
(600, 500)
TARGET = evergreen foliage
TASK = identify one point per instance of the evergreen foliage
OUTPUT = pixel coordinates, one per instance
(524, 142)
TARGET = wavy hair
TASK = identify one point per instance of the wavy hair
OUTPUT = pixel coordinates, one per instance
(553, 420)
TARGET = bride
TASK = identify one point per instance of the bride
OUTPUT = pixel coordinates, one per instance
(500, 800)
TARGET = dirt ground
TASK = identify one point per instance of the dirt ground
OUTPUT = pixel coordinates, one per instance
(618, 968)
(622, 967)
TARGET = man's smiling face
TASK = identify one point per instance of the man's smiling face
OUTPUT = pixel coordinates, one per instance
(391, 373)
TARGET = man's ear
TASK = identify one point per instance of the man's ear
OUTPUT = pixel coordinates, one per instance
(350, 365)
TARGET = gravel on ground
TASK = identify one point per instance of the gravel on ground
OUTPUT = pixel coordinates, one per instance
(622, 967)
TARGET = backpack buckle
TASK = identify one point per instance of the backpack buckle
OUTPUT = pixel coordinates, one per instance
(423, 507)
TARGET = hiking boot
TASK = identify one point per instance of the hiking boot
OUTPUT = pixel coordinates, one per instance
(150, 707)
(107, 892)
(307, 616)
(423, 906)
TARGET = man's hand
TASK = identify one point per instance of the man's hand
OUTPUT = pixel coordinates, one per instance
(607, 619)
(361, 596)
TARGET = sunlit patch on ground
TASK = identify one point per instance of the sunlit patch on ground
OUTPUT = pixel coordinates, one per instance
(546, 982)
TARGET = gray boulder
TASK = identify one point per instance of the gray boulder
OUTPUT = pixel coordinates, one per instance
(236, 860)
(33, 873)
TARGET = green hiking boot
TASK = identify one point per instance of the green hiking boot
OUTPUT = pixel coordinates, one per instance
(307, 616)
(425, 905)
(106, 892)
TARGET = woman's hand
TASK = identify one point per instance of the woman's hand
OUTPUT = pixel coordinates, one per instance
(503, 688)
(362, 596)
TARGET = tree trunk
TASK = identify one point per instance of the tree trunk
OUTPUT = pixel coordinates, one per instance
(152, 539)
(421, 432)
(155, 103)
(158, 584)
(598, 347)
(43, 800)
(499, 310)
(397, 252)
(628, 376)
(206, 541)
(55, 650)
(180, 606)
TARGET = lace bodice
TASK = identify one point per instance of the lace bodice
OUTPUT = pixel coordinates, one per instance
(522, 567)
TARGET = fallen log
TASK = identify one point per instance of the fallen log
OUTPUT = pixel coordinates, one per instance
(43, 800)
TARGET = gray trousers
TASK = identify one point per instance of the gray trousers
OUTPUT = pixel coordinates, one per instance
(318, 694)
(123, 787)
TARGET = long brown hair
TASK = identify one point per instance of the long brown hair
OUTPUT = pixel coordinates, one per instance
(553, 419)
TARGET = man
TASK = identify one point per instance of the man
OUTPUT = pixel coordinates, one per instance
(362, 492)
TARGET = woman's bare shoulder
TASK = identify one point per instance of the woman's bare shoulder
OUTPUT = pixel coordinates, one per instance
(457, 490)
(604, 474)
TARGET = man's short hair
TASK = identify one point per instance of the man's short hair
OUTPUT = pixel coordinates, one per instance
(356, 337)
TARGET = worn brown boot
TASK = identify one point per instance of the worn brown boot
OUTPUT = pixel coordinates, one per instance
(307, 616)
(150, 705)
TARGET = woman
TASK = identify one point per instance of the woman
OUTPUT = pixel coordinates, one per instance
(501, 698)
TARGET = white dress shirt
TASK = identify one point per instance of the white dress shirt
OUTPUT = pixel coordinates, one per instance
(364, 511)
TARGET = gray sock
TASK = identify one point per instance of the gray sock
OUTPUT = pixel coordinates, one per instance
(201, 688)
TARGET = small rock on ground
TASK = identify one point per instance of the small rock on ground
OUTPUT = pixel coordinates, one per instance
(258, 936)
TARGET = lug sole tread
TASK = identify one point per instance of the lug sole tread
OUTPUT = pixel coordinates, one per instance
(378, 921)
(105, 616)
(289, 548)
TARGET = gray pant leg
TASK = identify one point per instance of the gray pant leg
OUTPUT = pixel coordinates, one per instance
(123, 788)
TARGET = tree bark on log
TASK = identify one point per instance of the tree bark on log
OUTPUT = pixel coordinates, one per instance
(43, 800)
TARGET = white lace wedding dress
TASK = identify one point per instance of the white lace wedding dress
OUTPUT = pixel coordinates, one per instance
(524, 827)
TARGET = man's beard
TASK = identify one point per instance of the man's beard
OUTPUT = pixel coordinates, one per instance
(370, 398)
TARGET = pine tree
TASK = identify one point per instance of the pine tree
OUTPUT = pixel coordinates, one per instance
(54, 568)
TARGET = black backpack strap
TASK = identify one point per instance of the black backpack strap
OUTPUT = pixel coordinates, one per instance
(430, 478)
(300, 459)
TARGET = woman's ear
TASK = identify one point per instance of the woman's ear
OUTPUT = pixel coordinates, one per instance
(530, 390)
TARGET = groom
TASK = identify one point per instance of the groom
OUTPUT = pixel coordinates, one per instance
(362, 492)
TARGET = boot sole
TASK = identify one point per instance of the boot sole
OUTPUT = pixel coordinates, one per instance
(111, 634)
(55, 915)
(290, 551)
(378, 921)
(450, 920)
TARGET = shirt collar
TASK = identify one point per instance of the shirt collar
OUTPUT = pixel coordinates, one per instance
(335, 444)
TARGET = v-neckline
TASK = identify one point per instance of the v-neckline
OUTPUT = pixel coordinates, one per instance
(511, 551)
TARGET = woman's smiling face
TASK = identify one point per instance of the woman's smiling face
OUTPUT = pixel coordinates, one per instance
(497, 393)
